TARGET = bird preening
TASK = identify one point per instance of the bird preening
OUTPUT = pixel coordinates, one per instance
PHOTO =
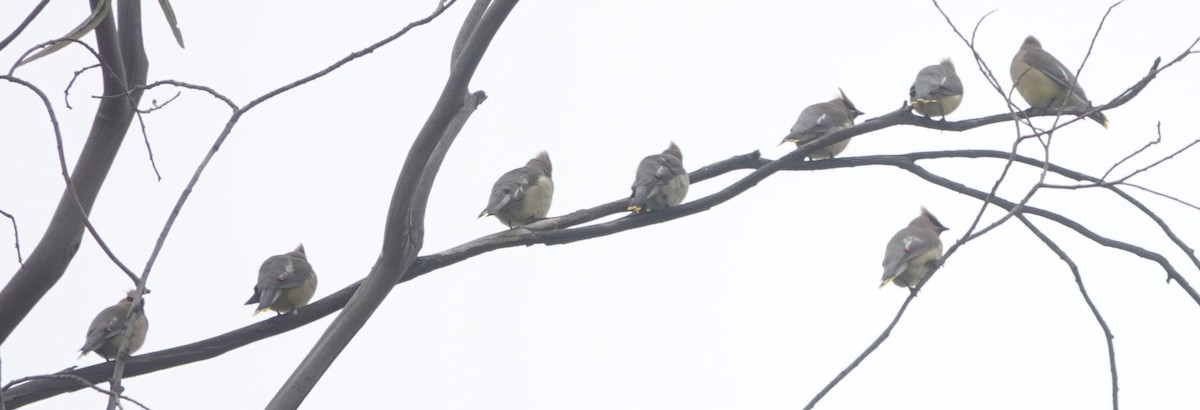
(285, 283)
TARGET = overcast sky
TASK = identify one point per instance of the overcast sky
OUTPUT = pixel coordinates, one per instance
(755, 304)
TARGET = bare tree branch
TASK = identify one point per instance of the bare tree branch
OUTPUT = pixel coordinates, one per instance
(69, 378)
(24, 23)
(56, 249)
(553, 231)
(404, 230)
(16, 237)
(1108, 336)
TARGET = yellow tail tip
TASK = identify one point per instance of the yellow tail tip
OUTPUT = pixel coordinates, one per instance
(885, 282)
(634, 208)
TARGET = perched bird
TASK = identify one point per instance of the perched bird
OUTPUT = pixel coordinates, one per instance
(102, 335)
(819, 119)
(522, 195)
(660, 182)
(1047, 84)
(937, 90)
(913, 252)
(285, 283)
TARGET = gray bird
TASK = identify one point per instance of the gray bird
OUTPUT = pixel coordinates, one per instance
(522, 195)
(819, 119)
(285, 283)
(660, 182)
(1046, 84)
(913, 252)
(937, 90)
(102, 335)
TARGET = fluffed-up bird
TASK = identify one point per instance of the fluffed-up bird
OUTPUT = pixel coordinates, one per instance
(103, 335)
(660, 182)
(1046, 84)
(913, 252)
(822, 118)
(285, 283)
(937, 91)
(522, 195)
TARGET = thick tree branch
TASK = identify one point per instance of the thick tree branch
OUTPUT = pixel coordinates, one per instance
(404, 229)
(52, 255)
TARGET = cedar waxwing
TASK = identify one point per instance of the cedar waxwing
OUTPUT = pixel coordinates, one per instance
(937, 90)
(819, 119)
(1042, 81)
(522, 195)
(913, 252)
(660, 182)
(285, 283)
(102, 335)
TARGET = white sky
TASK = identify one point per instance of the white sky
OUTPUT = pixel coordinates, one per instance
(755, 304)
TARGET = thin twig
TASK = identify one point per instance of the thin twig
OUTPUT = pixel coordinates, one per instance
(1169, 197)
(67, 90)
(16, 235)
(62, 164)
(1158, 128)
(72, 378)
(862, 356)
(24, 23)
(1108, 336)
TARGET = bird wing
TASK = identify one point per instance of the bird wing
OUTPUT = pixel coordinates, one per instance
(1046, 64)
(105, 326)
(904, 246)
(653, 173)
(820, 119)
(933, 82)
(658, 170)
(510, 189)
(277, 273)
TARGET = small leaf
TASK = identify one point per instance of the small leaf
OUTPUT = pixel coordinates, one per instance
(172, 21)
(98, 15)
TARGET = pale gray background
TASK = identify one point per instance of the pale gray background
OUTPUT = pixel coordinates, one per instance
(755, 304)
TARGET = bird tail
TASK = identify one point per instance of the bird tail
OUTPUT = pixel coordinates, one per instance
(637, 199)
(886, 281)
(1100, 118)
(253, 298)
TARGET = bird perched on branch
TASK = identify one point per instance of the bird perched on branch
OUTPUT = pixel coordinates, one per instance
(822, 118)
(103, 335)
(660, 181)
(1046, 84)
(913, 252)
(937, 90)
(285, 283)
(522, 195)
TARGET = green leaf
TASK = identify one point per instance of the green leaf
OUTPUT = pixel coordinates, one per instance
(98, 14)
(172, 21)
